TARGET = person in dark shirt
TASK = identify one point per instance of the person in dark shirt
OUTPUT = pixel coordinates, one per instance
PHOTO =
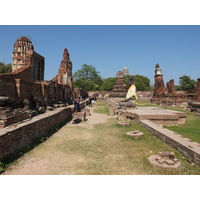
(90, 101)
(75, 105)
(78, 105)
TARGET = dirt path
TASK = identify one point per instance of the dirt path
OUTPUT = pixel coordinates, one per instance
(45, 159)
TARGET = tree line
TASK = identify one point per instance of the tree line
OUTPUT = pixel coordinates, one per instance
(89, 79)
(5, 68)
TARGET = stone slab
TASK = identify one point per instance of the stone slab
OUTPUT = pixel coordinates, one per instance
(157, 115)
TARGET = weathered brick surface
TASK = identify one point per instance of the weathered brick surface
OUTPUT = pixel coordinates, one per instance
(189, 149)
(80, 115)
(120, 88)
(170, 87)
(159, 86)
(20, 89)
(26, 63)
(197, 93)
(14, 139)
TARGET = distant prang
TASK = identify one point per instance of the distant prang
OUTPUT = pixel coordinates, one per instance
(125, 71)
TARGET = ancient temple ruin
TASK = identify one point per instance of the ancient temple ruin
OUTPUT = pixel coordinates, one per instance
(26, 61)
(159, 86)
(197, 93)
(125, 71)
(24, 93)
(170, 87)
(120, 88)
(64, 76)
(194, 104)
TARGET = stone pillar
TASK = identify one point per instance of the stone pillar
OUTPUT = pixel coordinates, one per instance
(170, 87)
(159, 86)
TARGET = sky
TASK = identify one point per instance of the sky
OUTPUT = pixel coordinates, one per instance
(109, 48)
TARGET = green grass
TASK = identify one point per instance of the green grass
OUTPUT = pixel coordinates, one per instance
(145, 104)
(105, 150)
(100, 107)
(191, 129)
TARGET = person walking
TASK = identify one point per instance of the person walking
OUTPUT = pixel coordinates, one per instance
(90, 101)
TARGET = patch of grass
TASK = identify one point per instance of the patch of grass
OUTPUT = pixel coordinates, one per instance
(107, 150)
(101, 108)
(191, 128)
(145, 104)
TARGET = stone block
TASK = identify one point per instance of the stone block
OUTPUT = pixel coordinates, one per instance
(87, 110)
(161, 161)
(169, 162)
(80, 115)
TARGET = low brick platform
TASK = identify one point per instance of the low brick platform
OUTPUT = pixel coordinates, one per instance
(15, 138)
(15, 118)
(185, 146)
(81, 115)
(157, 115)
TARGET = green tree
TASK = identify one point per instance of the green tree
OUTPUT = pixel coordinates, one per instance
(87, 78)
(142, 83)
(5, 68)
(186, 83)
(108, 84)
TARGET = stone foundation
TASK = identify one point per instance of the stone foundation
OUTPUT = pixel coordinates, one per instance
(80, 115)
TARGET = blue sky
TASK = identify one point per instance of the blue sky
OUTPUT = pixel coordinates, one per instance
(109, 48)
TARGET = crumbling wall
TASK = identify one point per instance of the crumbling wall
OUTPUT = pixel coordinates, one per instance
(14, 140)
(197, 93)
(21, 89)
(8, 86)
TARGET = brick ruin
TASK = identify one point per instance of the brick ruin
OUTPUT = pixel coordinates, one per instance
(168, 96)
(194, 104)
(24, 93)
(64, 76)
(159, 86)
(170, 87)
(26, 60)
(120, 88)
(197, 93)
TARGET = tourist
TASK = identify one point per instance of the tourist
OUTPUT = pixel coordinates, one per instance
(78, 105)
(95, 99)
(90, 101)
(75, 105)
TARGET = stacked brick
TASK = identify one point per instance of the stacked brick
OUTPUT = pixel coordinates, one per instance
(197, 93)
(159, 86)
(120, 88)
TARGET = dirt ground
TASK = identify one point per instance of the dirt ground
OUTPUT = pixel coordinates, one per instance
(43, 160)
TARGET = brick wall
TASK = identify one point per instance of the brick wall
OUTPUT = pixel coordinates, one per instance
(8, 86)
(21, 89)
(13, 140)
